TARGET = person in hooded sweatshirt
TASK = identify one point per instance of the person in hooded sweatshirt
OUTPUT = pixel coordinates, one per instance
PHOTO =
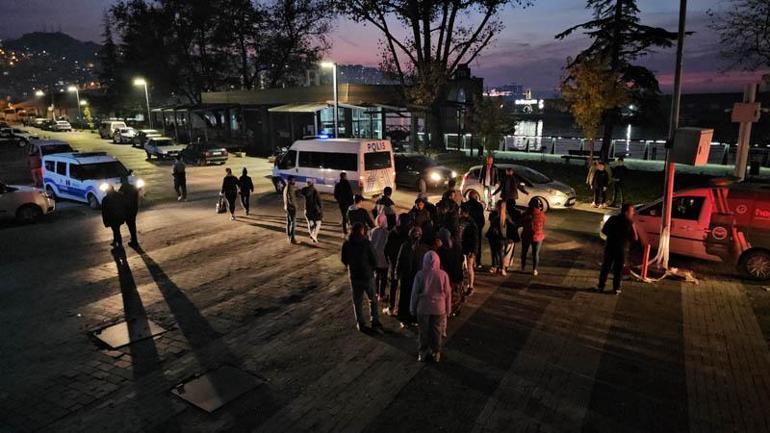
(397, 237)
(360, 260)
(379, 237)
(358, 214)
(532, 234)
(408, 263)
(451, 255)
(431, 302)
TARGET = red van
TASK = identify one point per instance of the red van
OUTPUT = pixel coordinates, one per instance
(725, 223)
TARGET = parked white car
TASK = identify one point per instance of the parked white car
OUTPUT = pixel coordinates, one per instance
(24, 203)
(124, 135)
(162, 147)
(552, 193)
(61, 126)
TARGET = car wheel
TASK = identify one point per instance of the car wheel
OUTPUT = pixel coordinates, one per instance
(29, 213)
(543, 202)
(278, 184)
(49, 190)
(422, 186)
(22, 143)
(93, 203)
(756, 264)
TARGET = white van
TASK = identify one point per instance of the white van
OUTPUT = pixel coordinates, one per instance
(367, 162)
(84, 177)
(108, 128)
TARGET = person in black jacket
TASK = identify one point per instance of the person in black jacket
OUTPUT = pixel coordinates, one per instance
(469, 241)
(618, 177)
(358, 214)
(385, 205)
(230, 191)
(246, 187)
(409, 262)
(131, 201)
(313, 209)
(476, 212)
(359, 259)
(619, 230)
(397, 237)
(343, 193)
(114, 214)
(451, 256)
(509, 188)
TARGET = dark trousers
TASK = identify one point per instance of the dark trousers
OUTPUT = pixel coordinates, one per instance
(404, 299)
(614, 258)
(478, 251)
(230, 197)
(393, 288)
(117, 239)
(291, 222)
(497, 249)
(359, 289)
(245, 201)
(600, 195)
(381, 281)
(344, 212)
(131, 223)
(617, 191)
(525, 244)
(180, 185)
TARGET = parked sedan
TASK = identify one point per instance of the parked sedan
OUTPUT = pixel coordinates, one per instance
(552, 193)
(61, 126)
(24, 203)
(421, 172)
(204, 154)
(124, 135)
(142, 135)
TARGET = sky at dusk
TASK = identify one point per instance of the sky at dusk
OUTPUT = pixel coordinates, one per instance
(525, 52)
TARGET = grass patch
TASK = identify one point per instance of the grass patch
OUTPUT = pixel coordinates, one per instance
(640, 187)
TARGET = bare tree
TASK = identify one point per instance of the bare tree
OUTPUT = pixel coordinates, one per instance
(424, 41)
(744, 32)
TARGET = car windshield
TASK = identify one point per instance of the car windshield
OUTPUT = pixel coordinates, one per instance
(55, 148)
(533, 176)
(162, 143)
(422, 162)
(102, 170)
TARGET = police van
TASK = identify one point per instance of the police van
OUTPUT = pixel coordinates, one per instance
(367, 162)
(84, 177)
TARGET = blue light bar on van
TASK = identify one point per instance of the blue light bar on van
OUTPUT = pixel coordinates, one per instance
(324, 136)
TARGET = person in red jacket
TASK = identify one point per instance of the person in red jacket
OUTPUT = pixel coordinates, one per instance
(532, 235)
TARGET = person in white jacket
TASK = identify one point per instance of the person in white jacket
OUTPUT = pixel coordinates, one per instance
(431, 302)
(379, 237)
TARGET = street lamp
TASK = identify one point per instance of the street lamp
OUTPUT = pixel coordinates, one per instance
(38, 94)
(336, 97)
(77, 95)
(143, 82)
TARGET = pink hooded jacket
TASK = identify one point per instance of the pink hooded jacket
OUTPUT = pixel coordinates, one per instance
(431, 291)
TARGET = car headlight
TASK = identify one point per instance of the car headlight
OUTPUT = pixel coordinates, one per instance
(140, 183)
(435, 176)
(104, 186)
(454, 174)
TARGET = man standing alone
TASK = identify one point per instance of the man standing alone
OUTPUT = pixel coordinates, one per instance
(290, 206)
(180, 179)
(343, 193)
(618, 176)
(131, 200)
(619, 230)
(488, 177)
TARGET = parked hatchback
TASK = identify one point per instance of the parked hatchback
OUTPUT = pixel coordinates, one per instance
(124, 135)
(551, 193)
(204, 154)
(24, 203)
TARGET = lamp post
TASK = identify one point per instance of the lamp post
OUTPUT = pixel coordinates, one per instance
(143, 82)
(336, 97)
(38, 94)
(77, 96)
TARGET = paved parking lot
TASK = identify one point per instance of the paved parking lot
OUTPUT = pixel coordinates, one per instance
(526, 354)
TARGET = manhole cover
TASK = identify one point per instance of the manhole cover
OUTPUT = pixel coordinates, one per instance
(124, 333)
(216, 388)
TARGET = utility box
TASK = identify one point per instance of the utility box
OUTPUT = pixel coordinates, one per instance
(746, 112)
(691, 146)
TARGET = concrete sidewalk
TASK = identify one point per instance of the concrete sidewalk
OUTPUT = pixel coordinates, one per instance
(526, 354)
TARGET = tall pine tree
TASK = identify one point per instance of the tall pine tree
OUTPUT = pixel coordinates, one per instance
(619, 40)
(108, 63)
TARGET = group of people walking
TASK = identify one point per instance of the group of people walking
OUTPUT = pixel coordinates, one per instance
(121, 207)
(232, 186)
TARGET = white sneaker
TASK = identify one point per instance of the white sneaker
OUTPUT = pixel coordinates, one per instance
(232, 217)
(534, 273)
(502, 272)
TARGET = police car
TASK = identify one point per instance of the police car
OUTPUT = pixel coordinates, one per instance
(84, 177)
